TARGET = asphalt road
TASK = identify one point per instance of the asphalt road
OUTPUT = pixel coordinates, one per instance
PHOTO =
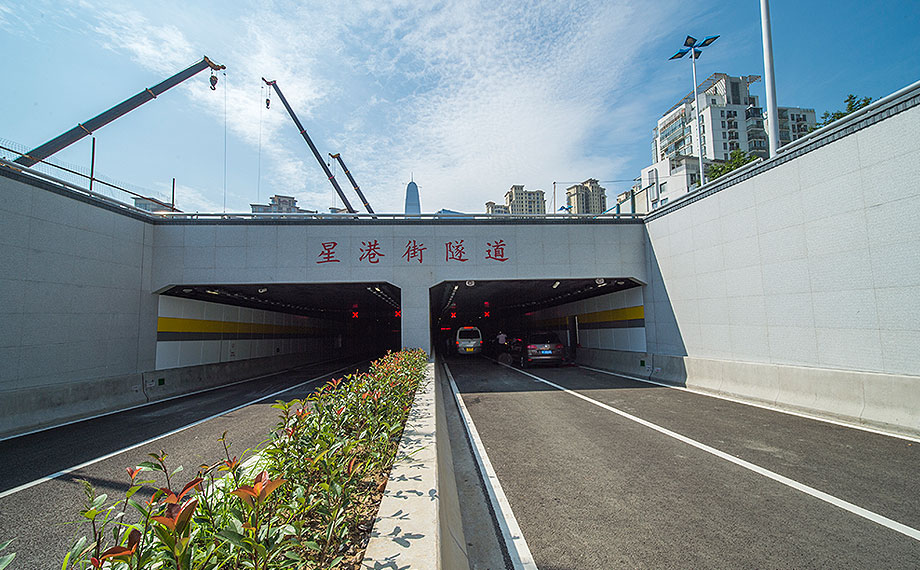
(593, 489)
(34, 517)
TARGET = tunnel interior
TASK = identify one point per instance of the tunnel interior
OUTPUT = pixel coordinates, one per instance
(505, 305)
(339, 318)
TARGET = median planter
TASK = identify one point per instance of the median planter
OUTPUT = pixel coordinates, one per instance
(307, 502)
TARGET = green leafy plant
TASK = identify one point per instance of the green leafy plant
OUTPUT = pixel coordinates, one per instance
(321, 473)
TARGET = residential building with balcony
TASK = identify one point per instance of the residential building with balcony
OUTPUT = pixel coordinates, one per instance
(278, 205)
(493, 208)
(730, 119)
(520, 201)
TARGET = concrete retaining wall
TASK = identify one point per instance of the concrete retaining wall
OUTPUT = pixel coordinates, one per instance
(797, 281)
(885, 401)
(160, 384)
(42, 406)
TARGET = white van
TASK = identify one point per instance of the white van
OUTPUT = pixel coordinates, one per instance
(469, 340)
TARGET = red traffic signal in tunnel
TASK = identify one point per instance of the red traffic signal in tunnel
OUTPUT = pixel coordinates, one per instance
(354, 314)
(397, 313)
(453, 315)
(485, 313)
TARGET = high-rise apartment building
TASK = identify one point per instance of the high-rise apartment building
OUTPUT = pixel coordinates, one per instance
(730, 119)
(520, 201)
(794, 123)
(589, 197)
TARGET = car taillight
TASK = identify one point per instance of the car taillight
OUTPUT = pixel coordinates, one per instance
(458, 343)
(558, 347)
(531, 347)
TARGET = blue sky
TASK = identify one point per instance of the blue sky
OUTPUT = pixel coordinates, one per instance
(467, 97)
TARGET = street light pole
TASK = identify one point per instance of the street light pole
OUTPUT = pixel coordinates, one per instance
(696, 119)
(769, 83)
(694, 48)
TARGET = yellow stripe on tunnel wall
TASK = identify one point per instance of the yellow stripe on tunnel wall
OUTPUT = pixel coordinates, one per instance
(627, 314)
(174, 324)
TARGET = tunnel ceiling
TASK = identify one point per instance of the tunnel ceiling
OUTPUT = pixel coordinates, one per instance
(519, 296)
(330, 300)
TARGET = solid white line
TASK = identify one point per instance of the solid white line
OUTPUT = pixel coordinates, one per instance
(25, 486)
(758, 405)
(847, 506)
(118, 411)
(511, 532)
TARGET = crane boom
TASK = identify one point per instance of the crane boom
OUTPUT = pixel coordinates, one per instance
(306, 137)
(338, 156)
(82, 129)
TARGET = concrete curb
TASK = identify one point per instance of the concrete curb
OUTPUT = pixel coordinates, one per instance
(418, 524)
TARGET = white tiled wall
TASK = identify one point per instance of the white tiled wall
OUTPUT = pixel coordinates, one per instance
(816, 263)
(172, 354)
(626, 339)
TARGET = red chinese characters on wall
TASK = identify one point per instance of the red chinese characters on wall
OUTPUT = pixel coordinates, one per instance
(370, 251)
(455, 251)
(328, 253)
(414, 250)
(496, 250)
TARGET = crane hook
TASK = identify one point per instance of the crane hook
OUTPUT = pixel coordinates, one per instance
(213, 82)
(268, 102)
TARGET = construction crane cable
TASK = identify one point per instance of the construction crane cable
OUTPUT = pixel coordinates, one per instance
(274, 85)
(259, 168)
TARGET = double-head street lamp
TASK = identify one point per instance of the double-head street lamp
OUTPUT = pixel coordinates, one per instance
(694, 48)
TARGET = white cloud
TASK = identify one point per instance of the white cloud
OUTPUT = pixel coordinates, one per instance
(470, 96)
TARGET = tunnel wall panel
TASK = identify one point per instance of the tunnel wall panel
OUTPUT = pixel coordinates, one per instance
(192, 332)
(613, 322)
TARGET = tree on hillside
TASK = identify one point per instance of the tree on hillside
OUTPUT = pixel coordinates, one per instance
(736, 159)
(853, 103)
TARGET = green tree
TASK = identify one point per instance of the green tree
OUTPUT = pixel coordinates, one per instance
(853, 103)
(736, 159)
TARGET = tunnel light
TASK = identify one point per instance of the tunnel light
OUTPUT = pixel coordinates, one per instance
(599, 280)
(263, 290)
(556, 284)
(211, 292)
(187, 290)
(377, 289)
(619, 283)
(470, 283)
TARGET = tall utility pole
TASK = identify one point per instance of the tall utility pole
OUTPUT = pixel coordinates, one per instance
(696, 118)
(772, 119)
(694, 48)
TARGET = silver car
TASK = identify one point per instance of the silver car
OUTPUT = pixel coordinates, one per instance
(469, 340)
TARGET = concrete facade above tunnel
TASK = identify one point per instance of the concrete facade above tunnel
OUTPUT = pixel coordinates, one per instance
(414, 255)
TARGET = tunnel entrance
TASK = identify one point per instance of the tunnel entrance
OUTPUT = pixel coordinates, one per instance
(516, 306)
(211, 323)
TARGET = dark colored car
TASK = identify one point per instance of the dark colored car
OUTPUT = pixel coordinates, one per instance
(537, 348)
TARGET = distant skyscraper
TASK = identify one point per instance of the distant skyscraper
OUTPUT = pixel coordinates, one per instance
(412, 203)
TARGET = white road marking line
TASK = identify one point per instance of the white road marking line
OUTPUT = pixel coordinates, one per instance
(757, 405)
(129, 408)
(511, 532)
(25, 486)
(845, 505)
